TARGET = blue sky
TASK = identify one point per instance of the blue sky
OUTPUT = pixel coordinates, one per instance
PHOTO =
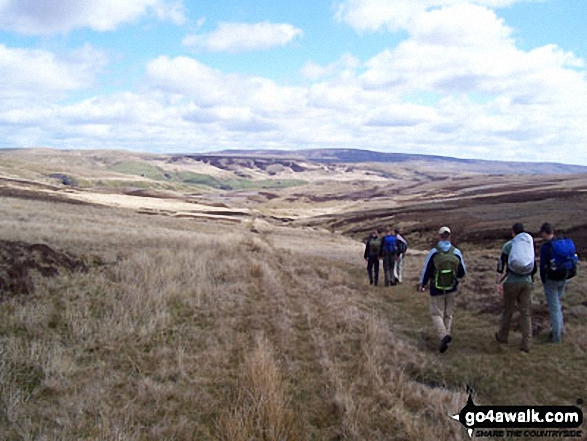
(493, 79)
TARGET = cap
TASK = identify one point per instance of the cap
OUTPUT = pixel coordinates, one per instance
(443, 230)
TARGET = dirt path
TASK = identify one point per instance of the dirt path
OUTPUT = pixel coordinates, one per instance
(344, 364)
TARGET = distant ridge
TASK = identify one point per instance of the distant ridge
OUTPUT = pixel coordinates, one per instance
(417, 163)
(355, 156)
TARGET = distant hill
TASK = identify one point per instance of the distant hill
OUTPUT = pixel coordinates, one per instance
(355, 156)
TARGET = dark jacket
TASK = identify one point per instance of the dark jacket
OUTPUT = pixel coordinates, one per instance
(428, 272)
(367, 254)
(545, 258)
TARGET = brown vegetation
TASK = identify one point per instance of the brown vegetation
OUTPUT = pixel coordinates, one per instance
(202, 325)
(199, 333)
(18, 260)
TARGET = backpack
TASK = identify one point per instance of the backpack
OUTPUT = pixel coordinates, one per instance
(374, 246)
(390, 244)
(522, 255)
(446, 267)
(401, 247)
(563, 263)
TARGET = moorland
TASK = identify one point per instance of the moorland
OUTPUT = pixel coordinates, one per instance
(224, 296)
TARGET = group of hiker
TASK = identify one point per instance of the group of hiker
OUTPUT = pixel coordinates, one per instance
(445, 267)
(391, 249)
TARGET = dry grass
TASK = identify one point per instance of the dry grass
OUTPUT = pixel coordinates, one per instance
(500, 374)
(263, 409)
(192, 330)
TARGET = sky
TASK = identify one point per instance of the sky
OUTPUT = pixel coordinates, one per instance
(489, 79)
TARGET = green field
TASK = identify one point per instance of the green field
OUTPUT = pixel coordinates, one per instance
(138, 168)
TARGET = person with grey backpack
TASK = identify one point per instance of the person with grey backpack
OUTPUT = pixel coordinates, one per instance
(518, 259)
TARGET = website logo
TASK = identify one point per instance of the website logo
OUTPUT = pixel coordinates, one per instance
(521, 421)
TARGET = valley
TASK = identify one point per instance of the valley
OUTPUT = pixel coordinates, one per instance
(225, 297)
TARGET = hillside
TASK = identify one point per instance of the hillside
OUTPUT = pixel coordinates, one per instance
(157, 297)
(354, 156)
(182, 329)
(292, 190)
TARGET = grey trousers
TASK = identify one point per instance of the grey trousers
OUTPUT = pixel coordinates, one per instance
(441, 309)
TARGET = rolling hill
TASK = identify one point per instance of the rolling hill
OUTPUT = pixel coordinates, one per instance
(224, 296)
(355, 156)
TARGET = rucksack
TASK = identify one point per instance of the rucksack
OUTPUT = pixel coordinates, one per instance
(522, 255)
(389, 244)
(374, 246)
(401, 247)
(563, 262)
(446, 267)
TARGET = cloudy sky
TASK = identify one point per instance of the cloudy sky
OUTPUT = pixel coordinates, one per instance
(495, 79)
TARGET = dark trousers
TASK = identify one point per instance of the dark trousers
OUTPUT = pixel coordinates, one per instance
(373, 266)
(388, 266)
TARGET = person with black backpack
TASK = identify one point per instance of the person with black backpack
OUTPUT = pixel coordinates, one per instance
(371, 255)
(444, 267)
(558, 263)
(518, 256)
(389, 254)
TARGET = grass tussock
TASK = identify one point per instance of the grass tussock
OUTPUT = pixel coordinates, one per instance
(263, 409)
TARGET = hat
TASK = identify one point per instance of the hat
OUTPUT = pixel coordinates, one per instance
(443, 230)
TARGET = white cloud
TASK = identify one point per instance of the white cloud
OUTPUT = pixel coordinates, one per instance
(37, 72)
(457, 85)
(463, 58)
(243, 37)
(460, 25)
(184, 75)
(42, 17)
(400, 115)
(372, 15)
(209, 87)
(531, 101)
(346, 63)
(190, 106)
(173, 11)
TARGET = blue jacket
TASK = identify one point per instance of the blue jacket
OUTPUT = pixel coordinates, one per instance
(428, 271)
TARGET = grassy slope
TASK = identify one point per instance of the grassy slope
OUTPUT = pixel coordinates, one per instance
(144, 169)
(163, 342)
(500, 374)
(138, 168)
(89, 169)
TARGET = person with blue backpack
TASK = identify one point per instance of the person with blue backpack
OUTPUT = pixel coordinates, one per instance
(389, 254)
(558, 263)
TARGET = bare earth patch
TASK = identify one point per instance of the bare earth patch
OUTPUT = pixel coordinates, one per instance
(19, 260)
